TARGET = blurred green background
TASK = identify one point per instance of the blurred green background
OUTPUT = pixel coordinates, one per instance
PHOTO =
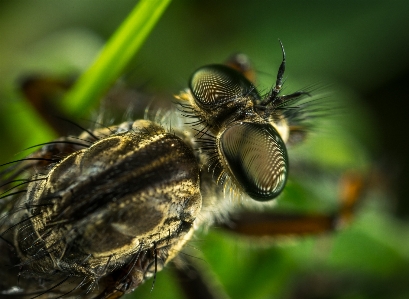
(358, 47)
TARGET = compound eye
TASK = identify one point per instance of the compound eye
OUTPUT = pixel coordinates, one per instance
(257, 158)
(215, 85)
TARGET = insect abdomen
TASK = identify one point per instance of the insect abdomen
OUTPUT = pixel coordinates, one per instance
(104, 206)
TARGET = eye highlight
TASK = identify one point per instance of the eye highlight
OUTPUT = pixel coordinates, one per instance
(215, 85)
(257, 158)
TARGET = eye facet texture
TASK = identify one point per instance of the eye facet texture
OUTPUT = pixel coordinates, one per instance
(257, 158)
(215, 85)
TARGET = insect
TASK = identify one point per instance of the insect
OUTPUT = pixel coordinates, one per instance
(94, 216)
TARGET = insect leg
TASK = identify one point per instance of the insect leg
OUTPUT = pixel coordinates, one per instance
(278, 224)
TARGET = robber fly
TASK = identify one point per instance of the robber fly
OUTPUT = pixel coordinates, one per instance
(94, 216)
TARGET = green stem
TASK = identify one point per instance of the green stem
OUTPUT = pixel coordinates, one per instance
(114, 57)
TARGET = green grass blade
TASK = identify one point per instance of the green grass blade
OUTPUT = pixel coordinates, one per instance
(114, 57)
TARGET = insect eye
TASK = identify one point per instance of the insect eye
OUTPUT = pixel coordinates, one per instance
(215, 85)
(257, 158)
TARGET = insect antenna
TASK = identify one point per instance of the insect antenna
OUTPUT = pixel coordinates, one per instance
(279, 81)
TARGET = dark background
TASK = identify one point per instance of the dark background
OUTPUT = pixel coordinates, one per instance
(359, 47)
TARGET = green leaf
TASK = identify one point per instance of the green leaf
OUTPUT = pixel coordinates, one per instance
(118, 51)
